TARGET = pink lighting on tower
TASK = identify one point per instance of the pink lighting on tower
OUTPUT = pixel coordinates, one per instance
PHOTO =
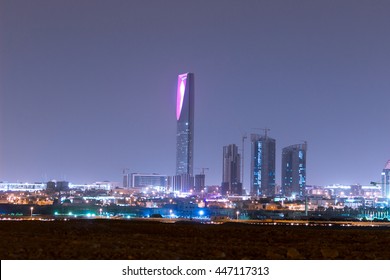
(181, 88)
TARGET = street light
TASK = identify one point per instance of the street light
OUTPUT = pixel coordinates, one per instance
(31, 209)
(100, 211)
(238, 213)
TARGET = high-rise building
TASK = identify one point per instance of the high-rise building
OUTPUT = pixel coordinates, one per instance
(386, 180)
(182, 183)
(200, 183)
(294, 170)
(126, 178)
(185, 124)
(262, 173)
(231, 170)
(185, 129)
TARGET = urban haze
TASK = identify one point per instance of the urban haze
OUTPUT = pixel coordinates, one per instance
(88, 88)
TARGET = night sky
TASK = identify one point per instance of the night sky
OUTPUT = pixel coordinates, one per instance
(88, 88)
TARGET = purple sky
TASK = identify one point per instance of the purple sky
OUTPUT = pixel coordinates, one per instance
(87, 88)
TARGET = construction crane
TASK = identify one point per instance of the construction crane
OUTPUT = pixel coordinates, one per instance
(203, 170)
(266, 130)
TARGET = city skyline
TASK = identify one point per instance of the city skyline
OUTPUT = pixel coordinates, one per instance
(88, 88)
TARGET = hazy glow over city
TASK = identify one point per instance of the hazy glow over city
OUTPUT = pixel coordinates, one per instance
(88, 90)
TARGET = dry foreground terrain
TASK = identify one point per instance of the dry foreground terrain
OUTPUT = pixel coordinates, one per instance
(117, 239)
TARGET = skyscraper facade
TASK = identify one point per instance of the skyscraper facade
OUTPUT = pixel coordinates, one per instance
(185, 124)
(185, 130)
(262, 165)
(231, 170)
(386, 180)
(294, 170)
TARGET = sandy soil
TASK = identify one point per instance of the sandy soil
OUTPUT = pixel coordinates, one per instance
(116, 239)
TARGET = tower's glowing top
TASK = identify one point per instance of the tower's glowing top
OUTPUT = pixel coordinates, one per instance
(387, 165)
(181, 88)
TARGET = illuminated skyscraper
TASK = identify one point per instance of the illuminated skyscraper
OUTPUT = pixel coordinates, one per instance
(231, 170)
(294, 170)
(262, 165)
(386, 180)
(185, 127)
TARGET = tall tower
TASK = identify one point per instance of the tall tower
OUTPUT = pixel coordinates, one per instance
(386, 180)
(262, 165)
(294, 170)
(185, 130)
(185, 124)
(231, 170)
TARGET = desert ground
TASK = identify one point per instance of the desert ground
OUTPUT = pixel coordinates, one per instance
(120, 240)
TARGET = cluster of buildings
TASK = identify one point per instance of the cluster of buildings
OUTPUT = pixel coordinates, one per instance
(187, 184)
(262, 167)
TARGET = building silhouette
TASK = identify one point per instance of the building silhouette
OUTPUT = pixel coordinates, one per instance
(200, 183)
(294, 170)
(126, 178)
(262, 173)
(182, 183)
(185, 132)
(231, 170)
(386, 180)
